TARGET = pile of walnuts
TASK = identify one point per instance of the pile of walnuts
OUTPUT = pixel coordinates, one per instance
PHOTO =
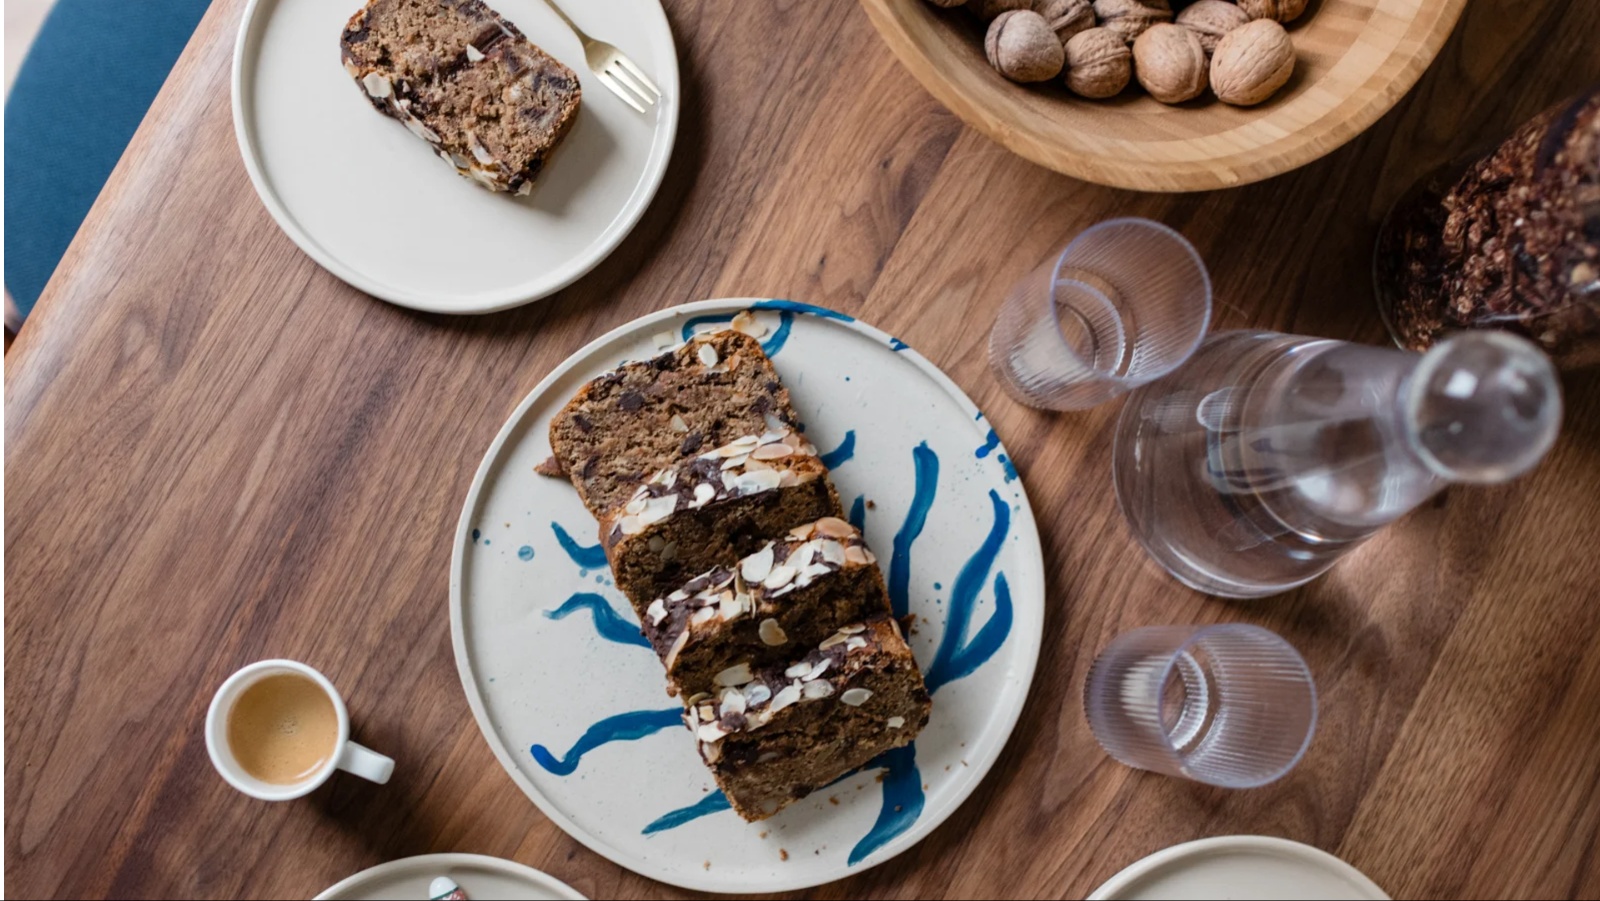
(1239, 50)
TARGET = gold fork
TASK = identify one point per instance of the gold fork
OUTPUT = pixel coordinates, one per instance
(613, 68)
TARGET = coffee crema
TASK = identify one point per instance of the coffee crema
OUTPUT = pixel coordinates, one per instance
(283, 729)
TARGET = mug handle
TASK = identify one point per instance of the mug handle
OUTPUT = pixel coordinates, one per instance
(366, 763)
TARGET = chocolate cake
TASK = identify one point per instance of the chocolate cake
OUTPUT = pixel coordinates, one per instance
(712, 510)
(644, 418)
(785, 598)
(462, 78)
(774, 736)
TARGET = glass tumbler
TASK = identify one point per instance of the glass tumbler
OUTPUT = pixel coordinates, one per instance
(1231, 705)
(1124, 304)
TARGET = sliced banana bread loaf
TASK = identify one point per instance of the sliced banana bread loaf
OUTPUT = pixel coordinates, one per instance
(713, 510)
(464, 79)
(645, 418)
(774, 736)
(782, 600)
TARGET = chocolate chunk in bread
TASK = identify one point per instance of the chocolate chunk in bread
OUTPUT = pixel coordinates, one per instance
(462, 78)
(646, 417)
(773, 736)
(783, 599)
(713, 510)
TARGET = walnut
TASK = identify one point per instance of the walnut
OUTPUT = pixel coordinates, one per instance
(989, 10)
(1066, 17)
(1129, 18)
(1251, 63)
(1021, 46)
(1170, 63)
(1099, 63)
(1276, 10)
(1211, 19)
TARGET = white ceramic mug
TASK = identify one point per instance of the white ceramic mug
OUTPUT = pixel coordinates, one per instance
(346, 755)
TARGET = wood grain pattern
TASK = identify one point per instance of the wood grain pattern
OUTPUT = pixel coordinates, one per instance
(219, 453)
(1355, 58)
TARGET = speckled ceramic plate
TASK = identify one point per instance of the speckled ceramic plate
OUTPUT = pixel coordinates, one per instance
(1241, 867)
(371, 203)
(482, 878)
(574, 703)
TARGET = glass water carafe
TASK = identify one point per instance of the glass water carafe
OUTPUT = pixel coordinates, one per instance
(1253, 468)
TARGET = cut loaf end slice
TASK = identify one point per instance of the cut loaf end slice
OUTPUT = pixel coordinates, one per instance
(773, 737)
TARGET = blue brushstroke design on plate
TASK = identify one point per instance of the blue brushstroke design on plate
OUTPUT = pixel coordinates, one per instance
(630, 726)
(956, 656)
(795, 306)
(926, 463)
(716, 802)
(1010, 469)
(586, 557)
(525, 553)
(610, 625)
(896, 345)
(858, 513)
(990, 442)
(902, 801)
(786, 310)
(843, 453)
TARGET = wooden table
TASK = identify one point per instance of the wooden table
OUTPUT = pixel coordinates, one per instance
(216, 452)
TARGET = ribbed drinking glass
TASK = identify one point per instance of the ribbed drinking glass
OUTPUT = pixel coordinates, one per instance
(1124, 304)
(1231, 705)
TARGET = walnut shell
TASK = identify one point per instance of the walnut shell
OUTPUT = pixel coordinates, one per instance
(1211, 19)
(1066, 17)
(1169, 61)
(1251, 63)
(947, 4)
(1276, 10)
(1129, 18)
(1021, 46)
(1099, 63)
(989, 10)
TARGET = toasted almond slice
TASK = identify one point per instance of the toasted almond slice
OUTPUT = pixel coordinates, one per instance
(755, 567)
(855, 697)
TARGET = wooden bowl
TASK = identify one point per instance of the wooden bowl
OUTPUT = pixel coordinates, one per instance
(1355, 60)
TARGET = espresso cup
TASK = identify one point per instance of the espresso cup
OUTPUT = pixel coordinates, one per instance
(278, 729)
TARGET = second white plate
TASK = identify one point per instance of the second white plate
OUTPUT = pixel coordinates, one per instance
(371, 203)
(573, 701)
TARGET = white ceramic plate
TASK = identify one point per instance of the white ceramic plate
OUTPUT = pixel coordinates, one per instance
(483, 879)
(574, 704)
(371, 203)
(1246, 867)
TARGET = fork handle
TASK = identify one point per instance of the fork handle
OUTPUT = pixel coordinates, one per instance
(570, 24)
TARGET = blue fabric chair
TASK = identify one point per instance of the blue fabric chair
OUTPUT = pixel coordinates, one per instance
(86, 83)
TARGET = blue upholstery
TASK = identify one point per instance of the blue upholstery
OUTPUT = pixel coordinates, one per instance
(92, 72)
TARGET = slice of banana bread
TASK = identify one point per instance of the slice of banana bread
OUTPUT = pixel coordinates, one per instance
(462, 78)
(791, 594)
(714, 510)
(644, 418)
(774, 736)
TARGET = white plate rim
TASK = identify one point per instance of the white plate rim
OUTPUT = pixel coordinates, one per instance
(528, 292)
(1030, 641)
(447, 860)
(1132, 873)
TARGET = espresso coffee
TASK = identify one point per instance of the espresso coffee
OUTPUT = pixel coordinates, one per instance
(283, 729)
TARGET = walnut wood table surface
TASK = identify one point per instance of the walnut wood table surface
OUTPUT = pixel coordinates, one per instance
(216, 452)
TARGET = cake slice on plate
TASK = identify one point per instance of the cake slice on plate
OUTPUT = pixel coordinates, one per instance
(647, 417)
(462, 78)
(770, 607)
(713, 510)
(777, 735)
